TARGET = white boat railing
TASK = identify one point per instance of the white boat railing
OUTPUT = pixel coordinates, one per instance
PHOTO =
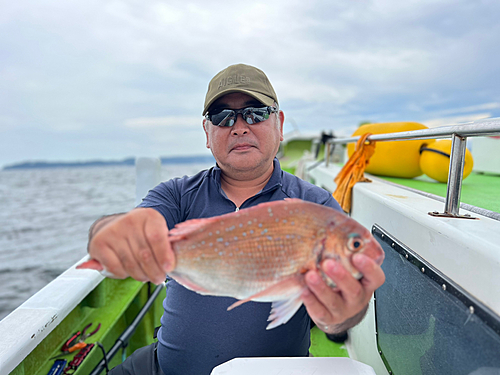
(458, 134)
(28, 325)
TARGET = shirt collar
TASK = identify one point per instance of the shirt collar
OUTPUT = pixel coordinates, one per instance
(273, 182)
(275, 179)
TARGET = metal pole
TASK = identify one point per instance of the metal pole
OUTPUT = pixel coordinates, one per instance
(455, 173)
(147, 176)
(328, 145)
(122, 341)
(475, 129)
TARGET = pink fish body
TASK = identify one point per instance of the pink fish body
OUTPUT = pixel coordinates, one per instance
(262, 253)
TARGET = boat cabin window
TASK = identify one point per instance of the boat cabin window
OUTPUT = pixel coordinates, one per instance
(426, 324)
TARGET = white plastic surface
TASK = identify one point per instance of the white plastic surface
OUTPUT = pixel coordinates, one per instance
(467, 251)
(293, 366)
(26, 327)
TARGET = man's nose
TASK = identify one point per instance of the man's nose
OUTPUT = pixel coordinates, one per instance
(240, 127)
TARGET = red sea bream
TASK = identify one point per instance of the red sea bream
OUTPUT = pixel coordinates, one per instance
(262, 253)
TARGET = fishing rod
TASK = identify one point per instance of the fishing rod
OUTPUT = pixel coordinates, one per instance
(122, 341)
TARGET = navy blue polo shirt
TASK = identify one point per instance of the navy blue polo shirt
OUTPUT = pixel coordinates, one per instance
(197, 333)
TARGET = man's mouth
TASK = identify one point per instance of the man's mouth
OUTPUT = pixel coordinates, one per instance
(242, 147)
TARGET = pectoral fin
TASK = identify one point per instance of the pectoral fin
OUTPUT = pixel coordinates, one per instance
(282, 311)
(186, 282)
(285, 296)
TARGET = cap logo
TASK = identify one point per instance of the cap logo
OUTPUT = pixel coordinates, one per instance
(233, 80)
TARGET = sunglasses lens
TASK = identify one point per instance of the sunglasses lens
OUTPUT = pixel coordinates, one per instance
(255, 115)
(223, 118)
(227, 117)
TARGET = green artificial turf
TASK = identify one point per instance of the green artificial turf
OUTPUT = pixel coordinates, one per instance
(322, 347)
(481, 190)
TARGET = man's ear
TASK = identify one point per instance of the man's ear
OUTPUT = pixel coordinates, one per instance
(205, 125)
(281, 117)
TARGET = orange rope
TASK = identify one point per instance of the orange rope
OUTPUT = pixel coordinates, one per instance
(353, 171)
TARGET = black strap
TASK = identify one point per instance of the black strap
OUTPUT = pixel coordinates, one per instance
(155, 333)
(436, 151)
(106, 365)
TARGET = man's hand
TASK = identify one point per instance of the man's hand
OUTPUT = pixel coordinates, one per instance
(133, 244)
(335, 310)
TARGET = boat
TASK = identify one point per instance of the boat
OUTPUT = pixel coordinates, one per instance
(439, 310)
(437, 313)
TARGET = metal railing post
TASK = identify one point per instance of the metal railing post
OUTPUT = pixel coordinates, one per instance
(328, 146)
(459, 134)
(147, 176)
(454, 188)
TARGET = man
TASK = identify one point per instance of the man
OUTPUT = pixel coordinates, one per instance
(243, 127)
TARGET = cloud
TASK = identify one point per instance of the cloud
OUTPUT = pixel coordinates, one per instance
(454, 120)
(473, 108)
(164, 122)
(83, 68)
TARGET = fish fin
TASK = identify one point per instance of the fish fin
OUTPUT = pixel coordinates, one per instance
(282, 311)
(274, 203)
(186, 282)
(293, 200)
(271, 204)
(175, 238)
(187, 227)
(280, 290)
(91, 264)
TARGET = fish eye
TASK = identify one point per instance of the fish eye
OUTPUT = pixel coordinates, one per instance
(355, 244)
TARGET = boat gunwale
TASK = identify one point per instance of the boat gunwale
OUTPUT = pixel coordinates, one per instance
(458, 133)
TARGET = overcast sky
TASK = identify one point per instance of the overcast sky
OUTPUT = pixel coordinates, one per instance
(98, 79)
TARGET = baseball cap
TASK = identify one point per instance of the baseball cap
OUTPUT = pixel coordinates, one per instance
(240, 78)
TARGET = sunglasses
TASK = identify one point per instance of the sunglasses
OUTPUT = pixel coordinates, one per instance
(227, 117)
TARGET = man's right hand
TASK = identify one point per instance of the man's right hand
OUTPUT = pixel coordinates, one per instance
(134, 244)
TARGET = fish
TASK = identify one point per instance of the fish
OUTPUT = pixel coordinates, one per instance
(262, 253)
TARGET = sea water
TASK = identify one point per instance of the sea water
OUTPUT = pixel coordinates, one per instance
(45, 215)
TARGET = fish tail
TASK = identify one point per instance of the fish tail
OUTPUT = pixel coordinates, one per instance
(91, 264)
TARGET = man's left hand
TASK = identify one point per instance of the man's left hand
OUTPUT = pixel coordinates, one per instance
(335, 310)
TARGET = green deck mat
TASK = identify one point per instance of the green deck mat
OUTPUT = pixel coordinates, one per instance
(481, 190)
(322, 347)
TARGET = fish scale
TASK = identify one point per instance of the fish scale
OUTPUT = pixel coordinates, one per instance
(262, 253)
(260, 239)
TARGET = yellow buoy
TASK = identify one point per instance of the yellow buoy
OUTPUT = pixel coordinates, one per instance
(393, 158)
(435, 160)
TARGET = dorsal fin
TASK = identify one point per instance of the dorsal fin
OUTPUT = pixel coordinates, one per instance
(181, 230)
(189, 226)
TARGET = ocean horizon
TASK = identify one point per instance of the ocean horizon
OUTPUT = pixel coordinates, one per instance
(130, 161)
(46, 216)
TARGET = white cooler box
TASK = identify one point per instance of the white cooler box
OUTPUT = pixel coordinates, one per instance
(293, 366)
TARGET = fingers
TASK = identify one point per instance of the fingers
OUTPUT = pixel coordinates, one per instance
(156, 235)
(373, 276)
(145, 267)
(331, 306)
(320, 300)
(135, 245)
(115, 253)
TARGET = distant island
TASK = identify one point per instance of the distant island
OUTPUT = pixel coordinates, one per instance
(101, 163)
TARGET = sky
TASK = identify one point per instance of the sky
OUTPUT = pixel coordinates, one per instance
(95, 79)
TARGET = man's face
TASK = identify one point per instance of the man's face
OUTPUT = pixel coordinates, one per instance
(243, 148)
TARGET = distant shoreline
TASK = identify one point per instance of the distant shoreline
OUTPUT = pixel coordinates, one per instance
(102, 163)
